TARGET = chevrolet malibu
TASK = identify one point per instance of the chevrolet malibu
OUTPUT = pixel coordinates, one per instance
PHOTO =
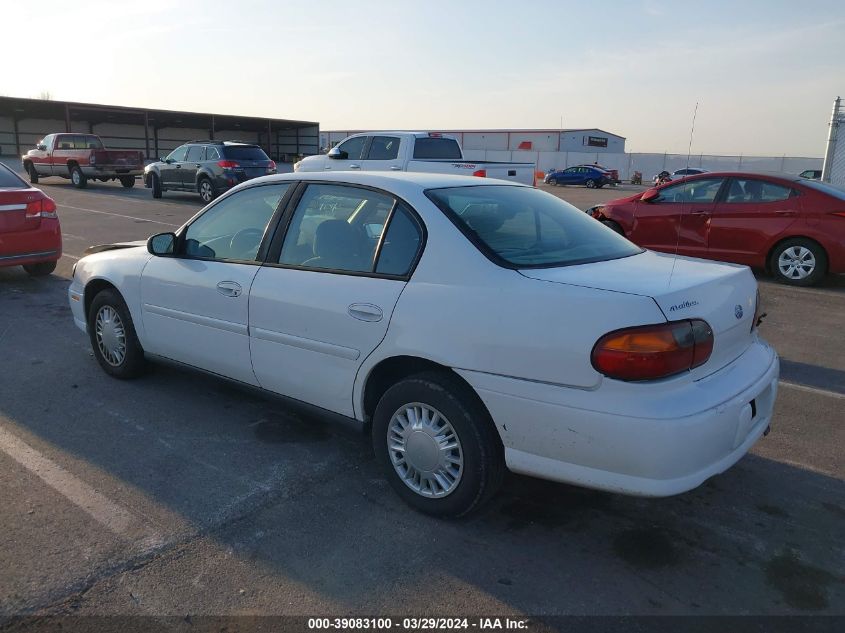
(471, 326)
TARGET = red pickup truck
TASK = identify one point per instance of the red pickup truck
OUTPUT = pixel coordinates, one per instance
(80, 157)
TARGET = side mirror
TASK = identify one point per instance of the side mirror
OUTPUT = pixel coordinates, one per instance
(161, 244)
(41, 147)
(650, 196)
(336, 152)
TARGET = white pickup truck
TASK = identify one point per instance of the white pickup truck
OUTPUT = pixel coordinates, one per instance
(412, 151)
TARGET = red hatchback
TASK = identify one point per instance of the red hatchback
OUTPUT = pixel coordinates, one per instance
(30, 235)
(790, 226)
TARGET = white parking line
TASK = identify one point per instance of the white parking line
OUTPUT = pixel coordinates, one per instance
(102, 509)
(71, 256)
(118, 215)
(814, 390)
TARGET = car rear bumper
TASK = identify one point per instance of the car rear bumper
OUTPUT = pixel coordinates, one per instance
(43, 244)
(111, 171)
(549, 433)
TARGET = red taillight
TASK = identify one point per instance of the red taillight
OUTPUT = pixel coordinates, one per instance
(228, 164)
(481, 173)
(653, 351)
(841, 214)
(271, 166)
(43, 208)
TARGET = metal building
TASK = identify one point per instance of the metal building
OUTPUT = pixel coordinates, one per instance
(23, 122)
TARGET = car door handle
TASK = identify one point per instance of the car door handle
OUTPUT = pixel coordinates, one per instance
(786, 212)
(395, 168)
(178, 166)
(365, 312)
(229, 288)
(700, 211)
(355, 167)
(197, 165)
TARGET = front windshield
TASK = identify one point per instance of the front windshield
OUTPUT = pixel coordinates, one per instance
(522, 227)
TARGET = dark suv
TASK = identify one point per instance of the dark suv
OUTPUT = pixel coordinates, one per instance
(207, 167)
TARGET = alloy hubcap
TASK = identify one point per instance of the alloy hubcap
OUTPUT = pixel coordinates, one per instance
(797, 262)
(111, 335)
(425, 450)
(205, 191)
(75, 177)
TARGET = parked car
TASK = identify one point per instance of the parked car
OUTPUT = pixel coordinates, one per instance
(812, 174)
(82, 157)
(790, 226)
(680, 173)
(428, 152)
(208, 168)
(437, 311)
(30, 234)
(586, 175)
(613, 174)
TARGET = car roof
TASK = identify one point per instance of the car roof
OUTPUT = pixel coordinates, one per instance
(746, 174)
(388, 179)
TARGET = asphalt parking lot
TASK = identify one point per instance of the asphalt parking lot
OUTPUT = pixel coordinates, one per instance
(180, 494)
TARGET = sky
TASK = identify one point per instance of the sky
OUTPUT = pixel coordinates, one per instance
(764, 73)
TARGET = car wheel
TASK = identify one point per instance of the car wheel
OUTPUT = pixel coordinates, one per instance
(39, 270)
(590, 183)
(798, 262)
(127, 181)
(207, 191)
(614, 226)
(553, 181)
(113, 339)
(33, 174)
(155, 185)
(437, 445)
(78, 178)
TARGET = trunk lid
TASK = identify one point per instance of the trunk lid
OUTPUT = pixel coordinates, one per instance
(722, 294)
(13, 204)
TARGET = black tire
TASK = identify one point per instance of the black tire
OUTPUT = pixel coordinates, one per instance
(127, 181)
(206, 189)
(613, 225)
(590, 183)
(33, 175)
(41, 269)
(132, 363)
(155, 185)
(798, 250)
(78, 178)
(483, 466)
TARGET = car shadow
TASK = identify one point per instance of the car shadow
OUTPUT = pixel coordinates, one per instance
(303, 501)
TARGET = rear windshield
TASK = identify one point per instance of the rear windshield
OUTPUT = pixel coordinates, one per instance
(522, 227)
(9, 180)
(244, 152)
(428, 147)
(825, 187)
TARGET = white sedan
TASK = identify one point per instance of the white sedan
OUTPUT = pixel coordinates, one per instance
(475, 325)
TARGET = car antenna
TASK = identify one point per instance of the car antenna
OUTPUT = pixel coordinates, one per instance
(678, 236)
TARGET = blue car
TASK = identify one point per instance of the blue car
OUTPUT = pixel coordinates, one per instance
(582, 175)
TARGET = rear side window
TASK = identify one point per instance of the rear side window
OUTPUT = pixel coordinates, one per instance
(8, 179)
(752, 190)
(244, 152)
(522, 227)
(211, 153)
(433, 148)
(88, 142)
(400, 244)
(383, 148)
(194, 153)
